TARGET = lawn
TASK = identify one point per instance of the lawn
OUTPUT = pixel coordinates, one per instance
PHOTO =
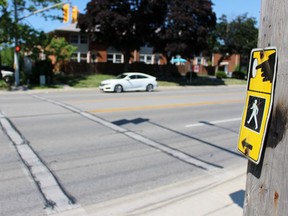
(93, 81)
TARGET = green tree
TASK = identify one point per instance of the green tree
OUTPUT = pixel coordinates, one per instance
(170, 26)
(14, 30)
(122, 24)
(237, 36)
(7, 56)
(58, 48)
(6, 22)
(61, 49)
(13, 27)
(186, 28)
(12, 22)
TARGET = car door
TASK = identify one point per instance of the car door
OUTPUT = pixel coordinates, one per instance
(142, 82)
(130, 83)
(137, 82)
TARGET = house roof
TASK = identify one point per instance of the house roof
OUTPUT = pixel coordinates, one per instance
(69, 28)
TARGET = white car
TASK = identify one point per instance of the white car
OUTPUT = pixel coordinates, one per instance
(7, 74)
(130, 81)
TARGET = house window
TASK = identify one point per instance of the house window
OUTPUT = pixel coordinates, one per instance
(78, 39)
(148, 59)
(78, 57)
(74, 38)
(109, 57)
(115, 58)
(83, 39)
(83, 57)
(119, 58)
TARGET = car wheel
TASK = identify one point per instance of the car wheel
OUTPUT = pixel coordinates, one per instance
(149, 88)
(118, 89)
(7, 79)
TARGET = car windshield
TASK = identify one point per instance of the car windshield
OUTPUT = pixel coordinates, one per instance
(121, 76)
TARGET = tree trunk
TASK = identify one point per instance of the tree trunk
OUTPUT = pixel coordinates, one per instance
(127, 56)
(267, 182)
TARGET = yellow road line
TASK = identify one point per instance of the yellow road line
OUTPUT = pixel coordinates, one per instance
(164, 106)
(155, 96)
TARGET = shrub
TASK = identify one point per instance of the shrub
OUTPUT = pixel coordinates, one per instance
(221, 75)
(42, 68)
(239, 75)
(4, 85)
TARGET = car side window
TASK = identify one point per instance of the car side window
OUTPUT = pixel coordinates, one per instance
(141, 77)
(133, 77)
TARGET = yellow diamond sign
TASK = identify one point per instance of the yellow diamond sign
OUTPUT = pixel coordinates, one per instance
(259, 99)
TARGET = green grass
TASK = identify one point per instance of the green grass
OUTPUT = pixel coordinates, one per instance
(166, 83)
(93, 81)
(230, 81)
(90, 81)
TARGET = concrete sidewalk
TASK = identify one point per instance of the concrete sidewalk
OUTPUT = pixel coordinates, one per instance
(224, 199)
(218, 195)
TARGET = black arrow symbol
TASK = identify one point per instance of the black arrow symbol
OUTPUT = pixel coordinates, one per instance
(246, 144)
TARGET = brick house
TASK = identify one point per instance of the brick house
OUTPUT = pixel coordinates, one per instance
(92, 53)
(227, 63)
(88, 52)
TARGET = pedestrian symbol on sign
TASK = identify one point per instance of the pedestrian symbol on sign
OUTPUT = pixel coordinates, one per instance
(255, 113)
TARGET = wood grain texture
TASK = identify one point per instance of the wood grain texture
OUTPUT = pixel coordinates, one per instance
(267, 182)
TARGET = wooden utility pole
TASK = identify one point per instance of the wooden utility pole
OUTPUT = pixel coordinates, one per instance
(267, 182)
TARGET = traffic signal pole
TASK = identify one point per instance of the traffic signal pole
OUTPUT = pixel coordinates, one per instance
(16, 59)
(267, 182)
(16, 20)
(41, 10)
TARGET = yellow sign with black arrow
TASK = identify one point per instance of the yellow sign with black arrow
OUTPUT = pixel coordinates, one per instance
(259, 99)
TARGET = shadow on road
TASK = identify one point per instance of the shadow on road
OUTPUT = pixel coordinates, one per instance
(140, 120)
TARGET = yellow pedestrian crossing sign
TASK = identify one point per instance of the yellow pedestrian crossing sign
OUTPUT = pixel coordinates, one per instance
(259, 99)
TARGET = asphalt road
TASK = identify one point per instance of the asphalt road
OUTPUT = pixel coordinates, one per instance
(64, 149)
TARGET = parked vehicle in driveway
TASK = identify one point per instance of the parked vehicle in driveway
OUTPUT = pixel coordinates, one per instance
(130, 81)
(7, 74)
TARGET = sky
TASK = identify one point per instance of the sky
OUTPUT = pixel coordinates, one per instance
(231, 8)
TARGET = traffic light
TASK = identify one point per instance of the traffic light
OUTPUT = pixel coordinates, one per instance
(65, 10)
(17, 48)
(74, 14)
